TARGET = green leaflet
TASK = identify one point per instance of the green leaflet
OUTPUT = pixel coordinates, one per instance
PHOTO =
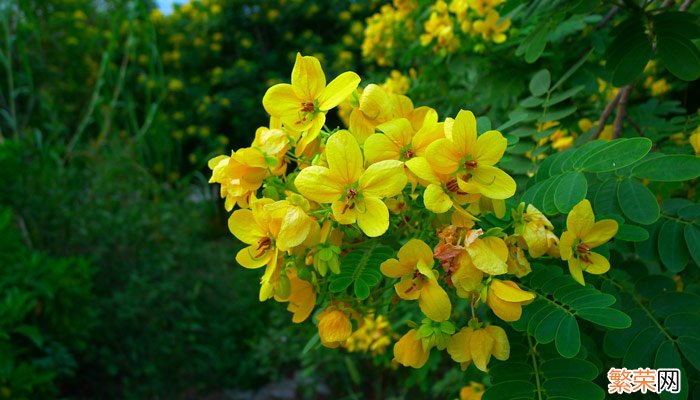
(360, 268)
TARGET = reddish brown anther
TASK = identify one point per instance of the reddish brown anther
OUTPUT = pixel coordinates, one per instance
(307, 107)
(471, 164)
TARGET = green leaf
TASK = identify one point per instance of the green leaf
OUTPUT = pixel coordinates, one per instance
(563, 367)
(683, 324)
(509, 390)
(31, 332)
(537, 41)
(546, 330)
(572, 70)
(669, 168)
(679, 55)
(642, 348)
(671, 303)
(559, 97)
(667, 356)
(692, 240)
(573, 388)
(568, 339)
(690, 347)
(539, 84)
(672, 248)
(632, 233)
(637, 202)
(683, 23)
(629, 51)
(607, 317)
(570, 191)
(616, 154)
(361, 289)
(605, 201)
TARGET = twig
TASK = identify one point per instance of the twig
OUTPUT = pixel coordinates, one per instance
(25, 232)
(606, 114)
(668, 3)
(686, 5)
(607, 17)
(635, 125)
(621, 110)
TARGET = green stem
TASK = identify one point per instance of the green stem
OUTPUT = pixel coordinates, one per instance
(10, 79)
(533, 356)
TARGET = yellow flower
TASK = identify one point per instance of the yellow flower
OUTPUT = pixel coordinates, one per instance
(518, 264)
(334, 326)
(418, 279)
(536, 231)
(399, 141)
(354, 193)
(372, 336)
(470, 159)
(506, 299)
(582, 235)
(472, 392)
(409, 351)
(302, 106)
(373, 108)
(302, 298)
(695, 142)
(268, 228)
(490, 29)
(483, 6)
(478, 345)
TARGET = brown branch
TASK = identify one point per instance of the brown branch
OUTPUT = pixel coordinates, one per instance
(635, 125)
(607, 17)
(606, 114)
(668, 3)
(686, 5)
(621, 110)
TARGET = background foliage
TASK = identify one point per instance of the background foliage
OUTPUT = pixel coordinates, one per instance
(118, 278)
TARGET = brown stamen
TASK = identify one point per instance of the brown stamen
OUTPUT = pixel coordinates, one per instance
(307, 107)
(583, 249)
(453, 187)
(408, 154)
(264, 245)
(471, 164)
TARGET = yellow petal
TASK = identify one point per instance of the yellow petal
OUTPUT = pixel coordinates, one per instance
(491, 182)
(383, 179)
(443, 156)
(338, 90)
(302, 299)
(599, 264)
(429, 133)
(379, 147)
(308, 79)
(244, 227)
(434, 302)
(463, 133)
(415, 250)
(576, 271)
(296, 226)
(375, 103)
(318, 184)
(409, 352)
(372, 216)
(422, 169)
(490, 147)
(394, 268)
(481, 346)
(458, 346)
(601, 232)
(501, 346)
(360, 126)
(281, 101)
(580, 219)
(565, 245)
(505, 310)
(399, 131)
(343, 213)
(246, 257)
(509, 291)
(489, 255)
(436, 200)
(344, 157)
(407, 289)
(335, 326)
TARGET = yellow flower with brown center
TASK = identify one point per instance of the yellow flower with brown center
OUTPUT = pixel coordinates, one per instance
(418, 279)
(355, 194)
(583, 234)
(302, 105)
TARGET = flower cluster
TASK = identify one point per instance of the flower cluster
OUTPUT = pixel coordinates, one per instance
(401, 178)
